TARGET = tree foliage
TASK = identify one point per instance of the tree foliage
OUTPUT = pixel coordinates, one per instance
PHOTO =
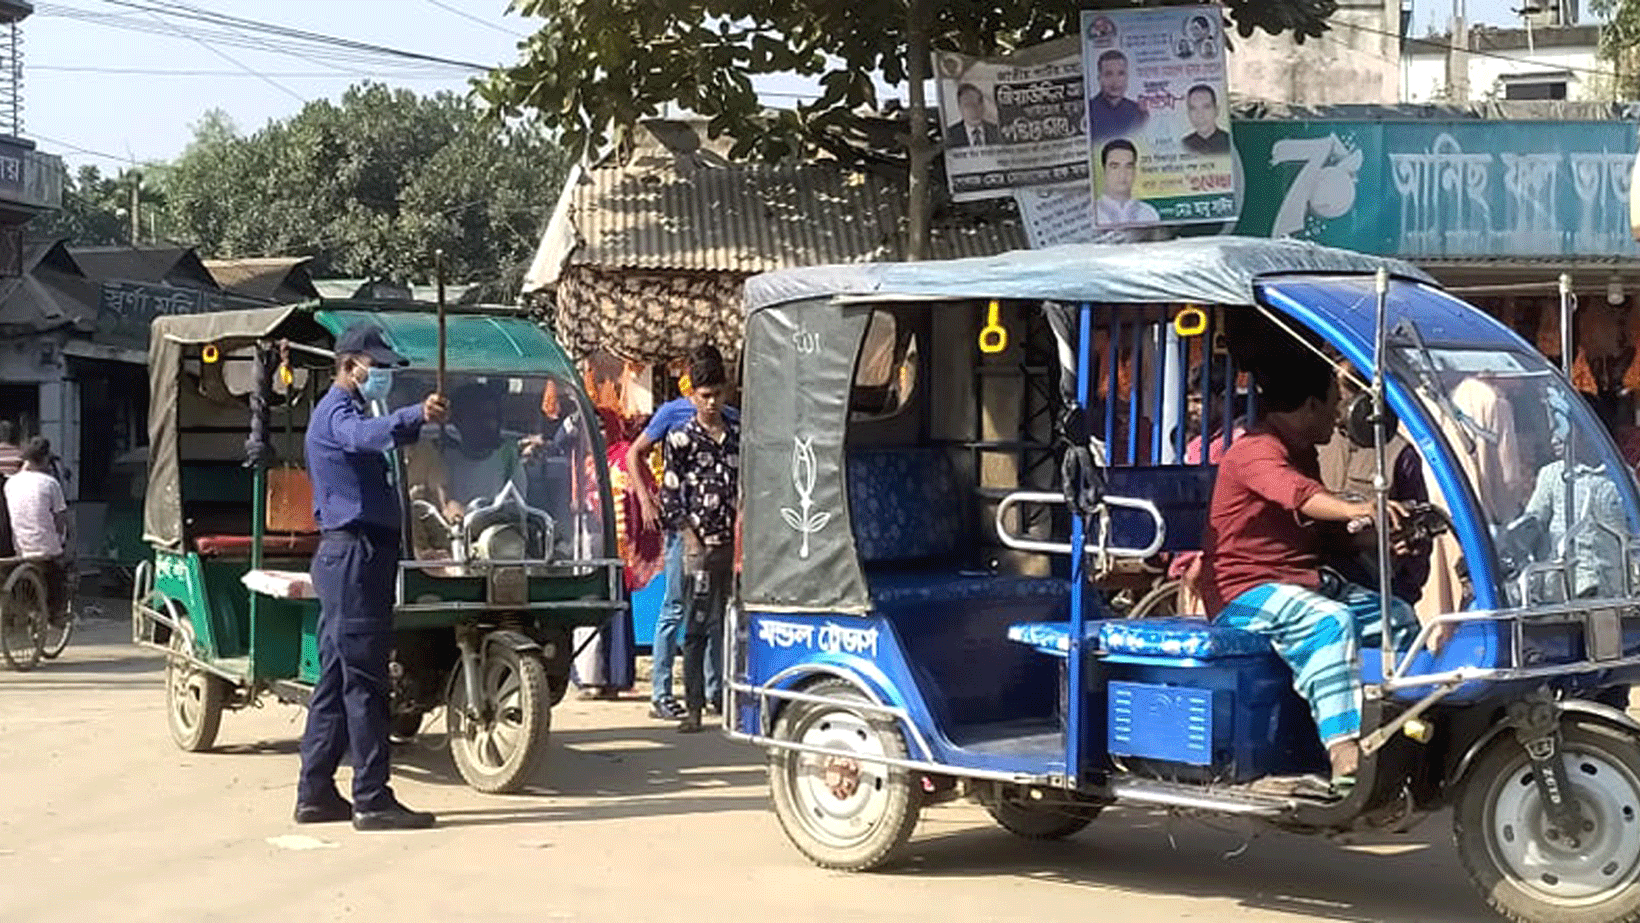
(1620, 43)
(369, 185)
(599, 65)
(96, 208)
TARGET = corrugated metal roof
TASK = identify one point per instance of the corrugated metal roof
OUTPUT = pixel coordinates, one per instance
(747, 218)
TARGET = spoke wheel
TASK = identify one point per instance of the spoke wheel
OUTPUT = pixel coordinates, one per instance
(54, 637)
(193, 697)
(1163, 601)
(840, 811)
(497, 746)
(22, 618)
(1534, 873)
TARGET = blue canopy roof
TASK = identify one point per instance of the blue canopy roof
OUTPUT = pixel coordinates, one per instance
(1200, 270)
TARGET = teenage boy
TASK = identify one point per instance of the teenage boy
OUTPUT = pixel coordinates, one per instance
(699, 494)
(671, 416)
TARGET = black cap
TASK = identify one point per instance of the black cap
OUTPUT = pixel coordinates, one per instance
(368, 340)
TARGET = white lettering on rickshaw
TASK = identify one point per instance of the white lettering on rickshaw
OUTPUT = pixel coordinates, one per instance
(830, 638)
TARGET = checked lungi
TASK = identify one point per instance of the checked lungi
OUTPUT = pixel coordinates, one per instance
(1318, 636)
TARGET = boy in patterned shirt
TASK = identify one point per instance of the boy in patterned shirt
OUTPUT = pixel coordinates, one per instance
(699, 495)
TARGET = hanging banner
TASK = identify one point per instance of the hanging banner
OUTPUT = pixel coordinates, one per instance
(1157, 116)
(1012, 123)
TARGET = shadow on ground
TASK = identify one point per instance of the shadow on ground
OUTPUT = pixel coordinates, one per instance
(1407, 879)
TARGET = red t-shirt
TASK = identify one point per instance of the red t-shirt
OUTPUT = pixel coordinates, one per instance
(1255, 534)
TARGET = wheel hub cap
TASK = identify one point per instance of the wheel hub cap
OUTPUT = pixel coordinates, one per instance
(840, 799)
(1571, 866)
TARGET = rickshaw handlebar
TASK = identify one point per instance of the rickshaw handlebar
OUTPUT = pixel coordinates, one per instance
(1020, 543)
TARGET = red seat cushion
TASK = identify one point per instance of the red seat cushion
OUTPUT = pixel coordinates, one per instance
(215, 546)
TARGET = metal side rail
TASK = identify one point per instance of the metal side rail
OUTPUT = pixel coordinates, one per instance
(175, 626)
(1600, 619)
(1198, 798)
(766, 739)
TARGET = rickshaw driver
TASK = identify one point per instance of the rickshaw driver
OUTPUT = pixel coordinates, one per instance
(474, 465)
(1263, 563)
(353, 574)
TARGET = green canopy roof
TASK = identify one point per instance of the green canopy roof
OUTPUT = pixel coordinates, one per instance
(474, 343)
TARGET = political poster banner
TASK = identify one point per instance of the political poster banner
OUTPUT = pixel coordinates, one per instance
(1012, 123)
(1158, 121)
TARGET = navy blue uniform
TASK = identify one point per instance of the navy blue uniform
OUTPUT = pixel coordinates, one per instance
(353, 573)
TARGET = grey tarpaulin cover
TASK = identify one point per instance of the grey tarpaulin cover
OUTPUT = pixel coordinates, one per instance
(229, 330)
(803, 333)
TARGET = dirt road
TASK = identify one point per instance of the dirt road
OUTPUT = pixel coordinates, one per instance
(103, 819)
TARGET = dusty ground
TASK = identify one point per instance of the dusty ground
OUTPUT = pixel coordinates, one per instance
(103, 819)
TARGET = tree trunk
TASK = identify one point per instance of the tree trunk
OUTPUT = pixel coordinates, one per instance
(917, 148)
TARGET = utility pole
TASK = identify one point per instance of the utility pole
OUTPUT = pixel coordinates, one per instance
(919, 157)
(1457, 57)
(136, 198)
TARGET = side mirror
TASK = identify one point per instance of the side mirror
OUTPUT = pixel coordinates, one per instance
(1358, 421)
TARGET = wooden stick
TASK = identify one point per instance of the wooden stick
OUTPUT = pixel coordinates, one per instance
(438, 275)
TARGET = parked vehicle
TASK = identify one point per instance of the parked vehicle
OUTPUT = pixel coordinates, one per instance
(887, 660)
(506, 549)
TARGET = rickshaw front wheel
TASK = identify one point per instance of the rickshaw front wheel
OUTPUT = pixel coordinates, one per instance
(840, 810)
(193, 697)
(1528, 870)
(498, 752)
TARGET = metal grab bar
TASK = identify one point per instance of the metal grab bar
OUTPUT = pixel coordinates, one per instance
(1045, 547)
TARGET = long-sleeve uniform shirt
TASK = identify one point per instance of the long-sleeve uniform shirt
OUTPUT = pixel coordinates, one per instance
(347, 461)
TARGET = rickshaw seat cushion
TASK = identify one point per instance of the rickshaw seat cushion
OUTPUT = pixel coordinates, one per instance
(1052, 638)
(903, 504)
(1161, 639)
(230, 546)
(1179, 639)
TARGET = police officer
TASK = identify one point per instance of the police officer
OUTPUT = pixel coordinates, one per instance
(354, 572)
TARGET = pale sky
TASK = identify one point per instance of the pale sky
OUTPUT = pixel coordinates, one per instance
(107, 83)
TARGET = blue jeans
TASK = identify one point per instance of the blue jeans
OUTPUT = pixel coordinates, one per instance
(669, 632)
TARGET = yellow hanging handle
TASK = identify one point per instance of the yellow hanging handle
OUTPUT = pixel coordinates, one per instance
(286, 376)
(993, 337)
(211, 354)
(1190, 322)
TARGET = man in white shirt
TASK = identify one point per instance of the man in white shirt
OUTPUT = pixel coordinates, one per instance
(39, 515)
(1116, 207)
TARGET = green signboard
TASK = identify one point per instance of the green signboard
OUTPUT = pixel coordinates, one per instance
(1441, 189)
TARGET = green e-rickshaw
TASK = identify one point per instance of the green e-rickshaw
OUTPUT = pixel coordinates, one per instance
(508, 528)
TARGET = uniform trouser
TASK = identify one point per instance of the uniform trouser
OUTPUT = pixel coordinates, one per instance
(353, 574)
(707, 573)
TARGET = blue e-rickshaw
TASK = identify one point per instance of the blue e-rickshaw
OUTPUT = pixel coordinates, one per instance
(913, 625)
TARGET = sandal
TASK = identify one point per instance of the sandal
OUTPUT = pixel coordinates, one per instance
(1343, 785)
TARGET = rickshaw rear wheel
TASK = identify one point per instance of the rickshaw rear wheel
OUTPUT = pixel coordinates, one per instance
(842, 813)
(1532, 873)
(498, 756)
(23, 618)
(193, 697)
(1032, 820)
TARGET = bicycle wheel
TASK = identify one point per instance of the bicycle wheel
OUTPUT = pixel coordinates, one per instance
(57, 628)
(57, 631)
(22, 615)
(1161, 602)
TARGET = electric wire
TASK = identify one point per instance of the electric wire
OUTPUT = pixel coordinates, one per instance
(478, 19)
